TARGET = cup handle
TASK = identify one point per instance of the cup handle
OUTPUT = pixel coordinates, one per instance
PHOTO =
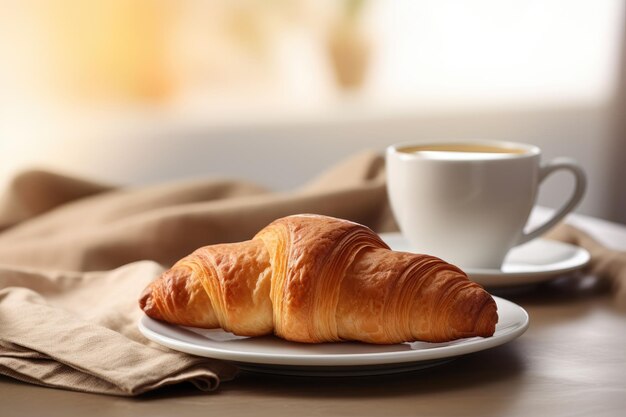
(579, 190)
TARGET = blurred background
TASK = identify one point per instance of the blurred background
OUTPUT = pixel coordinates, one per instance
(141, 91)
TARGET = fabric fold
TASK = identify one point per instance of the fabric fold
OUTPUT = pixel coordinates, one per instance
(53, 335)
(606, 264)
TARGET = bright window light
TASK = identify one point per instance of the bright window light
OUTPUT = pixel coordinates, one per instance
(496, 52)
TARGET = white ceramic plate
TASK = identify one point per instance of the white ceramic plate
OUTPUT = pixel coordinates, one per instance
(535, 261)
(273, 355)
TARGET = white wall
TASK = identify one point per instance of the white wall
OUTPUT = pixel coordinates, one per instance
(282, 155)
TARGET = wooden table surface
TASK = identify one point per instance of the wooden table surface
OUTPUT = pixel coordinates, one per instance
(571, 362)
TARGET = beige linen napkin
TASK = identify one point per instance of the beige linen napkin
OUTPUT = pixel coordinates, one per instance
(607, 264)
(79, 331)
(65, 327)
(107, 229)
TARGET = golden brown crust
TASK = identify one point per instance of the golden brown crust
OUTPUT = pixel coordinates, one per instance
(310, 278)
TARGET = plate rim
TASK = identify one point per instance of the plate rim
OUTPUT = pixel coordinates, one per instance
(359, 359)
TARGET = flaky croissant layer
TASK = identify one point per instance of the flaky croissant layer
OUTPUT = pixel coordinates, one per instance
(310, 278)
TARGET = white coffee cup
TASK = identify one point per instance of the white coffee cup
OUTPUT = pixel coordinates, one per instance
(468, 202)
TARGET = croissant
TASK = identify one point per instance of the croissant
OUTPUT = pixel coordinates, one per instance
(313, 279)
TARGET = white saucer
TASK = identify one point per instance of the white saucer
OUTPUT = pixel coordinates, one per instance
(269, 354)
(535, 261)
